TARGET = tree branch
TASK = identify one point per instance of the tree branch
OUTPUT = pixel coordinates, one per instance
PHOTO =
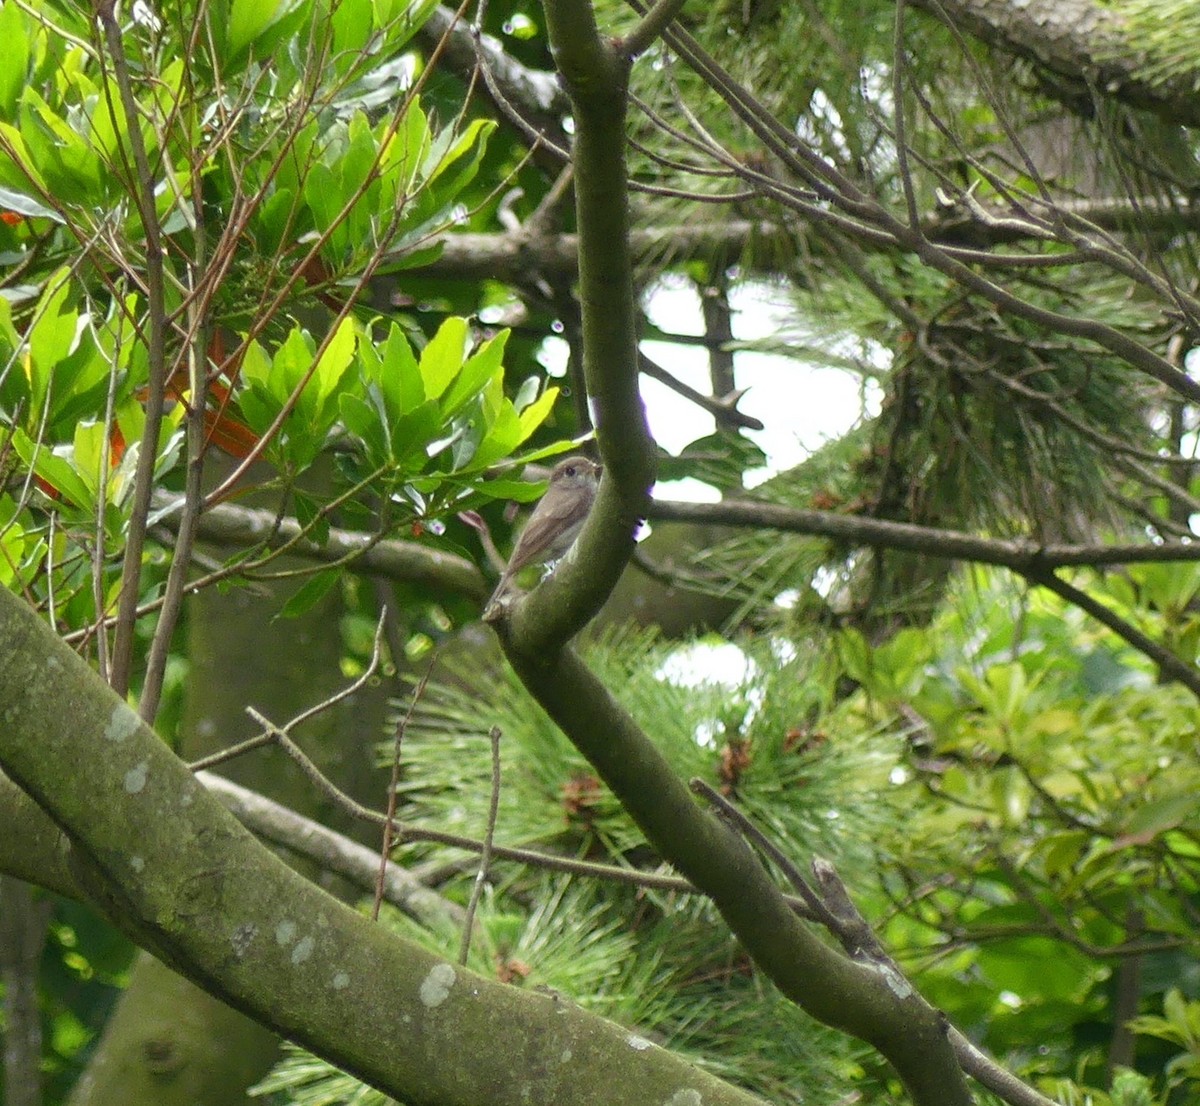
(142, 187)
(535, 93)
(830, 986)
(1019, 554)
(595, 75)
(245, 527)
(1173, 667)
(841, 992)
(184, 879)
(1084, 43)
(334, 852)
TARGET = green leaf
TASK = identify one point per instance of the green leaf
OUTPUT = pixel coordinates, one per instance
(81, 381)
(552, 450)
(1062, 849)
(414, 431)
(56, 471)
(442, 358)
(22, 156)
(413, 257)
(473, 141)
(289, 367)
(1159, 815)
(364, 421)
(401, 19)
(256, 365)
(89, 452)
(308, 514)
(475, 374)
(720, 459)
(22, 549)
(16, 33)
(311, 592)
(258, 407)
(277, 221)
(249, 20)
(336, 359)
(22, 204)
(70, 164)
(323, 195)
(51, 336)
(412, 144)
(535, 414)
(856, 658)
(516, 491)
(352, 23)
(503, 436)
(400, 376)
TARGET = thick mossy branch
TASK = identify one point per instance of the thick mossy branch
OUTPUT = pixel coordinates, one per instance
(176, 871)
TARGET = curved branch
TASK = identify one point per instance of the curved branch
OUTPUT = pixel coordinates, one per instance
(244, 527)
(1035, 562)
(536, 93)
(185, 880)
(845, 993)
(835, 988)
(595, 74)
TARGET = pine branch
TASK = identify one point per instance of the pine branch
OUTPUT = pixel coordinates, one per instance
(1085, 45)
(1020, 555)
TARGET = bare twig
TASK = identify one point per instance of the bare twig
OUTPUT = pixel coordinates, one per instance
(853, 930)
(331, 850)
(723, 408)
(1170, 664)
(485, 854)
(394, 785)
(730, 812)
(425, 565)
(836, 911)
(156, 354)
(193, 495)
(404, 832)
(271, 732)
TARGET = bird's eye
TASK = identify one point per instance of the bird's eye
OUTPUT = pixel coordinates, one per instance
(570, 470)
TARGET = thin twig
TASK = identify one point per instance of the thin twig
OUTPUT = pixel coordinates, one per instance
(334, 852)
(539, 223)
(271, 731)
(390, 818)
(752, 833)
(193, 495)
(401, 831)
(902, 151)
(720, 407)
(1170, 664)
(485, 854)
(156, 355)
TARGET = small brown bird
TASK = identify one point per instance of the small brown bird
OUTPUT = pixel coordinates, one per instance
(553, 526)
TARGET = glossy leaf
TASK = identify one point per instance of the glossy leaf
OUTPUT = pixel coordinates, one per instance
(442, 358)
